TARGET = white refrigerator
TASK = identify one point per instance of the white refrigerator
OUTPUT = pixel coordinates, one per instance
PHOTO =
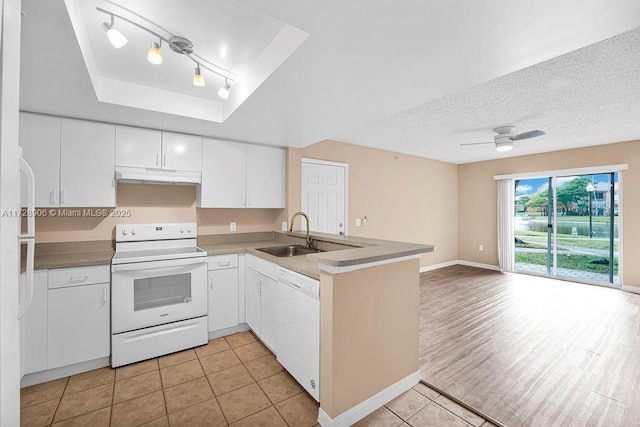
(26, 238)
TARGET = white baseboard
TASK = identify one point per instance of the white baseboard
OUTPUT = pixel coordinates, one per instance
(629, 288)
(459, 262)
(228, 331)
(479, 265)
(64, 371)
(368, 406)
(437, 266)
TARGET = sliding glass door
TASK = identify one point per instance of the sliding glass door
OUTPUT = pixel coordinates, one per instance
(567, 226)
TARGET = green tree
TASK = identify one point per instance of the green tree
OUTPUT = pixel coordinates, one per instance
(539, 201)
(574, 192)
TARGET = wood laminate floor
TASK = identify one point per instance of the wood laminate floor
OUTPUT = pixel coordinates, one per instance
(530, 351)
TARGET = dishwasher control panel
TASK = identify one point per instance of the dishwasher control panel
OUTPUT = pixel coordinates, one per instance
(305, 284)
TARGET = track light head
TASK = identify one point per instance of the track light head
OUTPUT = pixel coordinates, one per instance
(154, 55)
(223, 92)
(198, 78)
(116, 38)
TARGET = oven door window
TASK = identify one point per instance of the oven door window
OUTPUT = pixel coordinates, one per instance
(162, 291)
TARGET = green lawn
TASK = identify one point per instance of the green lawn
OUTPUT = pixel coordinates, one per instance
(572, 218)
(573, 262)
(539, 238)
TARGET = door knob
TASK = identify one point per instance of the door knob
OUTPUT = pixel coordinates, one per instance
(341, 225)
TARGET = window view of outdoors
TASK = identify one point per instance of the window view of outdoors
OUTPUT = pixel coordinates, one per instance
(585, 232)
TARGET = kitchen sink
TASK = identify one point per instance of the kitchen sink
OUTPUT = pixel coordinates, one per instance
(289, 250)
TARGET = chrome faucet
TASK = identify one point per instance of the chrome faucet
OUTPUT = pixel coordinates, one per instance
(309, 240)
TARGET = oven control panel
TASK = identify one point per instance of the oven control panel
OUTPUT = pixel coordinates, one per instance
(145, 232)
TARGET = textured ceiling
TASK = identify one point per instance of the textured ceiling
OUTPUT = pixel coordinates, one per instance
(587, 97)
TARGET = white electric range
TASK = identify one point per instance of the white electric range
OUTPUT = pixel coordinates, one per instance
(158, 291)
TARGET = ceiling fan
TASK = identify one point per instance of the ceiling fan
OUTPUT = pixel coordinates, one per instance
(505, 137)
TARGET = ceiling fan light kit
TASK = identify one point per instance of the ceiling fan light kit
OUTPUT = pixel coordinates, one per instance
(504, 140)
(180, 45)
(505, 145)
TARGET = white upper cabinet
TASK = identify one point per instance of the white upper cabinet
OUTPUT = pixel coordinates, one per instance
(72, 160)
(40, 140)
(87, 160)
(265, 177)
(224, 174)
(146, 148)
(138, 147)
(238, 175)
(181, 152)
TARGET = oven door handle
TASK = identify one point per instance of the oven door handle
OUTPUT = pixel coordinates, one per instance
(151, 265)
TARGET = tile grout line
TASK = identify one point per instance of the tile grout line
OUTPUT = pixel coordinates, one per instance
(59, 401)
(113, 395)
(164, 398)
(209, 384)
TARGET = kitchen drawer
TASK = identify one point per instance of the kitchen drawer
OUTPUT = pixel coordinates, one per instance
(218, 262)
(78, 276)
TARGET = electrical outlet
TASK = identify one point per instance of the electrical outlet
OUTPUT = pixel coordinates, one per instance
(358, 222)
(364, 221)
(481, 248)
(284, 226)
(232, 226)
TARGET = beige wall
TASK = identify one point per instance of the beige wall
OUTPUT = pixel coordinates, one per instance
(154, 203)
(404, 198)
(477, 223)
(368, 332)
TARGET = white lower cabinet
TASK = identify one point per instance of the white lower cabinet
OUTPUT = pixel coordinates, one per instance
(79, 327)
(69, 319)
(253, 300)
(262, 286)
(33, 327)
(224, 292)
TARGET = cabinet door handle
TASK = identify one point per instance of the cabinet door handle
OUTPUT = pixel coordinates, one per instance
(104, 296)
(249, 201)
(52, 197)
(164, 160)
(210, 282)
(157, 159)
(78, 278)
(62, 197)
(223, 263)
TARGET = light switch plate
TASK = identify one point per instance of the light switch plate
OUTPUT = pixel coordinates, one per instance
(358, 222)
(481, 248)
(232, 226)
(284, 225)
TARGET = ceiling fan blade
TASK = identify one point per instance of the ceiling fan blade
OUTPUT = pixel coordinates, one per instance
(527, 135)
(480, 143)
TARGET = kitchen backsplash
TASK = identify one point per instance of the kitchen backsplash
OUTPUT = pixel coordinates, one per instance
(144, 203)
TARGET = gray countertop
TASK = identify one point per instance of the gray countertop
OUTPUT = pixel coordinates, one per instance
(71, 254)
(341, 251)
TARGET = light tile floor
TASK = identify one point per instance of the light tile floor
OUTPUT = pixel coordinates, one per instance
(230, 381)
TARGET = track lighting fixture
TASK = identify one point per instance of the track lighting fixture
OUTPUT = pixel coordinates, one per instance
(198, 78)
(223, 92)
(154, 55)
(177, 44)
(116, 38)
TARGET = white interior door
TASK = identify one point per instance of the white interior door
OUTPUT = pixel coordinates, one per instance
(324, 196)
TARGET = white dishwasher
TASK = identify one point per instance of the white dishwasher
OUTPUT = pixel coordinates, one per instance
(298, 328)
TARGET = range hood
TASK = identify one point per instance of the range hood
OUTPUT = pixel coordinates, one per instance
(156, 176)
